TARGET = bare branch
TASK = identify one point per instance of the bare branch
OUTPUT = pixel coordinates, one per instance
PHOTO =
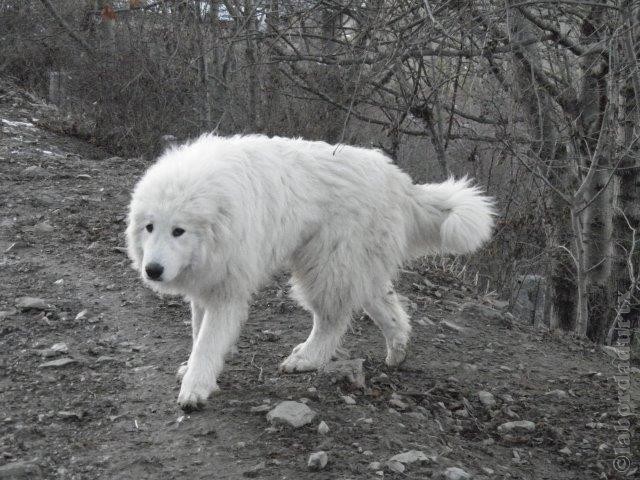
(67, 28)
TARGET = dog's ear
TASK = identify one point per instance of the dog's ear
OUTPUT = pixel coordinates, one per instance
(134, 246)
(218, 239)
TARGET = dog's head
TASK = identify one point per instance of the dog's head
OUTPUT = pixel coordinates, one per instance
(175, 231)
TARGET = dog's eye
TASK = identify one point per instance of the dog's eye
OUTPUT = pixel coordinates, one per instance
(177, 231)
(149, 227)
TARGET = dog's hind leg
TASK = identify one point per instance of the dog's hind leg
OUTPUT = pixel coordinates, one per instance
(197, 313)
(318, 349)
(387, 313)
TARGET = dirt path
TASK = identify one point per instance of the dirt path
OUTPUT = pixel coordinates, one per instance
(111, 413)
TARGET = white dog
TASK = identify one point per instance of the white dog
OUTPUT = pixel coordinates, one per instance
(212, 220)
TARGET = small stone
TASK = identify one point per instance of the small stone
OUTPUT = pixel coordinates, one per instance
(375, 466)
(394, 412)
(20, 470)
(82, 314)
(323, 428)
(487, 470)
(484, 314)
(416, 415)
(271, 335)
(34, 171)
(559, 394)
(348, 399)
(399, 404)
(487, 399)
(455, 473)
(507, 398)
(461, 413)
(566, 451)
(519, 426)
(69, 415)
(395, 466)
(265, 407)
(60, 347)
(349, 370)
(452, 326)
(254, 471)
(31, 303)
(106, 359)
(412, 456)
(43, 227)
(48, 353)
(58, 363)
(7, 313)
(294, 414)
(367, 453)
(317, 460)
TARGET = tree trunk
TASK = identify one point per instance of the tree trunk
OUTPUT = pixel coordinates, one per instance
(596, 137)
(253, 116)
(549, 152)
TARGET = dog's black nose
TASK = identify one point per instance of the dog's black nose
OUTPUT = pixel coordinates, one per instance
(154, 271)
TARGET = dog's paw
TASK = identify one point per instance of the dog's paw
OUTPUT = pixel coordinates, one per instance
(182, 369)
(194, 397)
(299, 361)
(396, 355)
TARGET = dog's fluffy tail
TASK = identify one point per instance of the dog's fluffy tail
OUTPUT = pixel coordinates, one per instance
(450, 217)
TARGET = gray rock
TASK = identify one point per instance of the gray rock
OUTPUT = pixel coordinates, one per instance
(20, 470)
(69, 415)
(395, 466)
(487, 399)
(43, 227)
(399, 404)
(452, 326)
(58, 363)
(348, 399)
(60, 347)
(317, 460)
(559, 394)
(375, 466)
(31, 303)
(455, 473)
(48, 353)
(7, 313)
(34, 171)
(271, 335)
(294, 414)
(260, 408)
(412, 456)
(417, 416)
(566, 451)
(483, 314)
(528, 299)
(323, 428)
(107, 359)
(519, 426)
(349, 370)
(255, 471)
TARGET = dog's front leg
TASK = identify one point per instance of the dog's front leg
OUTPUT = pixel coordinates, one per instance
(219, 330)
(197, 313)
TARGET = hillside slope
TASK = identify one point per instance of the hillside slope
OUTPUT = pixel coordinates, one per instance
(109, 410)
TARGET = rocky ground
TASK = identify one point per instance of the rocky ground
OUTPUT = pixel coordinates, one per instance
(87, 370)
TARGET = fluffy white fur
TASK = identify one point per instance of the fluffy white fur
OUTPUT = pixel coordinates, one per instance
(342, 219)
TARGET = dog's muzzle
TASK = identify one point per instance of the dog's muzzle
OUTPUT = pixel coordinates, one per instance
(154, 271)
